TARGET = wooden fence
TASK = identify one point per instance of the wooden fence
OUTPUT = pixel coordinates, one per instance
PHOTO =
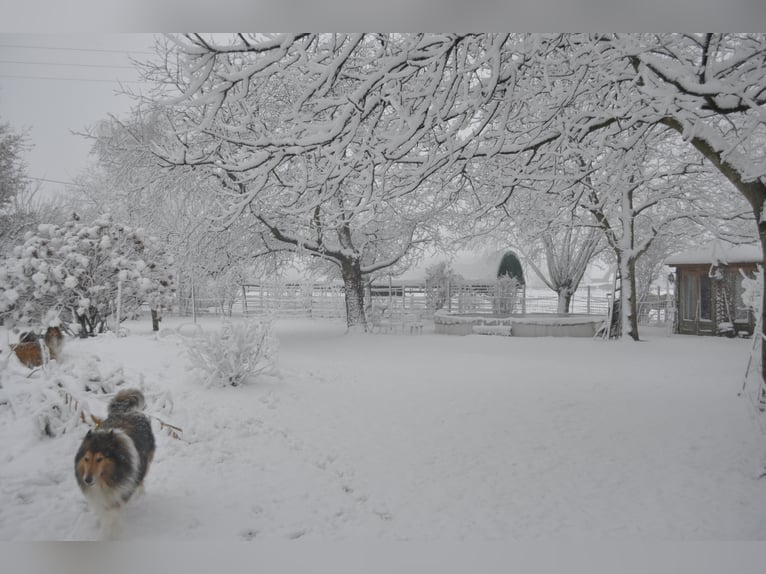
(326, 300)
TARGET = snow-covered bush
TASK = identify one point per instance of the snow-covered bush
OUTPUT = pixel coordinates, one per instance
(439, 279)
(58, 400)
(71, 273)
(506, 292)
(236, 354)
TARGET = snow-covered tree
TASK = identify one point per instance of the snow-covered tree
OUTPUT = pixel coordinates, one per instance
(644, 186)
(73, 273)
(568, 247)
(540, 221)
(14, 185)
(576, 94)
(13, 177)
(328, 140)
(310, 123)
(708, 88)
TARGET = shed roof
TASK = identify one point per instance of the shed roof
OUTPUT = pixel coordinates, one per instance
(717, 253)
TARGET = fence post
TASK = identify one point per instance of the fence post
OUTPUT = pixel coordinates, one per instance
(523, 300)
(588, 303)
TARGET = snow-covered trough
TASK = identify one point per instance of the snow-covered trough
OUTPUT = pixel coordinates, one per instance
(528, 325)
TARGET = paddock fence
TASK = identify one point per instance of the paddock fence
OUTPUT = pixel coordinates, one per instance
(395, 299)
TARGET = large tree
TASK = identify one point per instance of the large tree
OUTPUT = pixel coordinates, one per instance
(311, 123)
(211, 260)
(708, 88)
(343, 147)
(587, 95)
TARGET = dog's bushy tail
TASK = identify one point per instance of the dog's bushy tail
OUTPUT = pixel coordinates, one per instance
(125, 401)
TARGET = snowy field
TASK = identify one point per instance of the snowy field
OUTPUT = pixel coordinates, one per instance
(409, 437)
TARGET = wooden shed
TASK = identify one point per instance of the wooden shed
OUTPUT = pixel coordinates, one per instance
(709, 289)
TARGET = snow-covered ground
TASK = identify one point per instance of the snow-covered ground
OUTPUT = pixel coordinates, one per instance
(417, 437)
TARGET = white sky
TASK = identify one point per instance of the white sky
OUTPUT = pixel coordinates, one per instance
(75, 81)
(56, 84)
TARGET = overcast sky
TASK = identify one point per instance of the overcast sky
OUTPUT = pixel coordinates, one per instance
(56, 84)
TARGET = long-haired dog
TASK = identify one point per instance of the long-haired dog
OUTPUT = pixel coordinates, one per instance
(54, 340)
(114, 457)
(34, 350)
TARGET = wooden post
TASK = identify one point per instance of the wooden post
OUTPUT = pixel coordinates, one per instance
(588, 303)
(244, 300)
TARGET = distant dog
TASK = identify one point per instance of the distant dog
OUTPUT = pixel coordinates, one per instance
(113, 459)
(34, 351)
(54, 340)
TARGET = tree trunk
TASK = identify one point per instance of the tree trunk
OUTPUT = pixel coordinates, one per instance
(628, 305)
(353, 286)
(565, 299)
(762, 334)
(630, 294)
(155, 320)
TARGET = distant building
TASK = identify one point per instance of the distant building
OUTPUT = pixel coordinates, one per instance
(709, 289)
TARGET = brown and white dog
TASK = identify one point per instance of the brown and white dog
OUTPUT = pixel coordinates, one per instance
(114, 458)
(34, 351)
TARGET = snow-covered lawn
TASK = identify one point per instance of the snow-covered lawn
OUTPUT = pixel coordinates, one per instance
(420, 437)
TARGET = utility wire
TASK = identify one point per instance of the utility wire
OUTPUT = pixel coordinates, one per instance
(75, 49)
(70, 79)
(55, 181)
(63, 64)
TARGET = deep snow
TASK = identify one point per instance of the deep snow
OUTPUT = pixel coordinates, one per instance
(417, 437)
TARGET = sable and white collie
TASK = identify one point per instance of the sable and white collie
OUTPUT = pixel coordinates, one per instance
(113, 458)
(35, 350)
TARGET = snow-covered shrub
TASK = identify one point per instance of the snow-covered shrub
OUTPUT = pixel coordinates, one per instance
(71, 273)
(58, 400)
(506, 292)
(439, 279)
(236, 354)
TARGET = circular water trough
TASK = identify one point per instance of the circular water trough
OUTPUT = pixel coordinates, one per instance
(528, 325)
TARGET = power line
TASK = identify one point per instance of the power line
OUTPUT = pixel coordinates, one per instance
(75, 49)
(63, 64)
(20, 77)
(55, 181)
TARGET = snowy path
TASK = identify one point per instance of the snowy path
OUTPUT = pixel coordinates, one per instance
(422, 437)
